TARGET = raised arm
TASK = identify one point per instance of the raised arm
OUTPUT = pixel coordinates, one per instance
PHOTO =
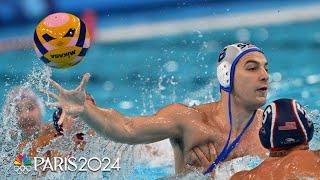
(132, 130)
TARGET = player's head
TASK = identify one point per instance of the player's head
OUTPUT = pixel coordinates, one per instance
(285, 125)
(242, 70)
(26, 107)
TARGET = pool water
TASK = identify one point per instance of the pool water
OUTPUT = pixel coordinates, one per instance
(139, 77)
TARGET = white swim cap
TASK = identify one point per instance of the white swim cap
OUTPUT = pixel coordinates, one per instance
(227, 61)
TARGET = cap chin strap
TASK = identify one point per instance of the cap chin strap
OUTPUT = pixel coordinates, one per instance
(228, 148)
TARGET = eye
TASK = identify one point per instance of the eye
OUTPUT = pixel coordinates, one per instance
(47, 37)
(31, 107)
(251, 68)
(70, 33)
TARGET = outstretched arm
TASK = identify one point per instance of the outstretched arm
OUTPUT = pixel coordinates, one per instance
(132, 130)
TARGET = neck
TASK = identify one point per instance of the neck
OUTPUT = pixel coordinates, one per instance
(240, 112)
(282, 153)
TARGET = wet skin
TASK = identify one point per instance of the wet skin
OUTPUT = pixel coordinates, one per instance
(296, 165)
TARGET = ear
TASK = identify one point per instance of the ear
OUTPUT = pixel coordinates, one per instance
(223, 74)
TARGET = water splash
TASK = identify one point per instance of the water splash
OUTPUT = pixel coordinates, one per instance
(96, 146)
(11, 135)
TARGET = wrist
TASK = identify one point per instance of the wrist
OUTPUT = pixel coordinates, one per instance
(85, 109)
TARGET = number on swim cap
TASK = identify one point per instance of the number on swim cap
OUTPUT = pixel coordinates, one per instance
(222, 54)
(266, 112)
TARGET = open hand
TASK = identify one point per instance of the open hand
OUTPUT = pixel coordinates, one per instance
(71, 101)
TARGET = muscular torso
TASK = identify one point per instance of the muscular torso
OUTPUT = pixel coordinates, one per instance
(208, 126)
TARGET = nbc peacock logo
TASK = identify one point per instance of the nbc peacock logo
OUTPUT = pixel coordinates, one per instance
(22, 164)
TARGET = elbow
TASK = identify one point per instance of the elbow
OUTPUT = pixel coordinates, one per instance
(123, 132)
(129, 135)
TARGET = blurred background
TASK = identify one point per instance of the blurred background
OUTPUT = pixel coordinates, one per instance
(147, 54)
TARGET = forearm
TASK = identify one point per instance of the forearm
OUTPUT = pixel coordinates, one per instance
(133, 130)
(107, 122)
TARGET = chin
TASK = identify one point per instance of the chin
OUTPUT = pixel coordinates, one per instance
(261, 101)
(257, 103)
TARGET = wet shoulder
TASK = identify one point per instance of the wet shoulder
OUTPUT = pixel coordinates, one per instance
(301, 154)
(188, 115)
(303, 158)
(302, 163)
(207, 108)
(179, 110)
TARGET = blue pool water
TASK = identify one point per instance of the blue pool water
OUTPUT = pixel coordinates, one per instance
(182, 64)
(139, 77)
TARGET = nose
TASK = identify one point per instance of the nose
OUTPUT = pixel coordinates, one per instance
(264, 76)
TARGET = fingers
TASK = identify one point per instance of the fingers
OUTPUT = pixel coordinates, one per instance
(193, 159)
(49, 93)
(56, 85)
(213, 152)
(202, 158)
(84, 82)
(205, 151)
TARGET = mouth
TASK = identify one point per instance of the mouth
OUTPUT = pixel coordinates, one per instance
(262, 89)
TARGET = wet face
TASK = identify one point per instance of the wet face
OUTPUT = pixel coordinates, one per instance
(251, 80)
(29, 115)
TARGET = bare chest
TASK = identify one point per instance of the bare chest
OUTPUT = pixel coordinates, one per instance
(248, 144)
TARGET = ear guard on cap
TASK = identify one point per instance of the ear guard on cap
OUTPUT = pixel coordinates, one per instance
(285, 125)
(227, 61)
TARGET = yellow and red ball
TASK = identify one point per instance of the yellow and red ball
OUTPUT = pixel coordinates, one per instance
(61, 40)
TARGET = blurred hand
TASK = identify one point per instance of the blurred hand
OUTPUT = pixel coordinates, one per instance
(71, 101)
(201, 156)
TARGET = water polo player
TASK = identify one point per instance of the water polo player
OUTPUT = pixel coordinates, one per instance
(34, 131)
(227, 127)
(285, 132)
(25, 110)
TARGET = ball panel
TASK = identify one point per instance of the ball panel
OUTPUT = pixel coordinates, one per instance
(63, 55)
(56, 19)
(82, 35)
(38, 44)
(83, 52)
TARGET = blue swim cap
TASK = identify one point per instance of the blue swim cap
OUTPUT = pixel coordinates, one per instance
(285, 125)
(228, 60)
